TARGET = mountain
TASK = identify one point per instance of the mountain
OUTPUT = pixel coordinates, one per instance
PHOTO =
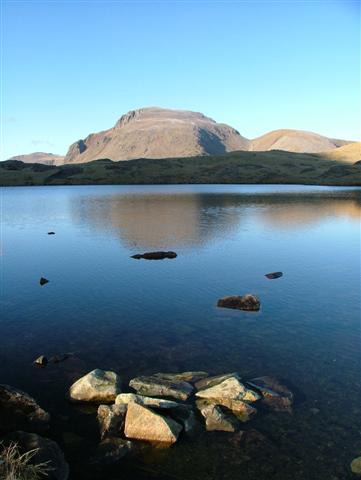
(40, 157)
(158, 133)
(349, 153)
(294, 141)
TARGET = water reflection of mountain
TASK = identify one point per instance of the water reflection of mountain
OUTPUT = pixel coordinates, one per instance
(184, 219)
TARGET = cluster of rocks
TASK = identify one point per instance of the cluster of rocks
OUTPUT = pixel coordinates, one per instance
(165, 405)
(23, 421)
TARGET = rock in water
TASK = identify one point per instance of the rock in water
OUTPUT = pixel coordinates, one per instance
(47, 451)
(274, 275)
(215, 418)
(43, 281)
(214, 380)
(51, 233)
(143, 424)
(111, 450)
(275, 395)
(247, 302)
(190, 377)
(155, 255)
(97, 386)
(111, 419)
(155, 386)
(356, 466)
(19, 411)
(126, 398)
(230, 389)
(42, 361)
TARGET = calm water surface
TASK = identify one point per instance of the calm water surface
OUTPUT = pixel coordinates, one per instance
(140, 317)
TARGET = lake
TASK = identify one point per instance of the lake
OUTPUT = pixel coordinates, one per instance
(139, 317)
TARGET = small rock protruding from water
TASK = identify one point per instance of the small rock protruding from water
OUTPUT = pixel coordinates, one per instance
(161, 387)
(51, 233)
(356, 466)
(154, 255)
(97, 386)
(215, 418)
(247, 302)
(41, 361)
(43, 281)
(274, 275)
(276, 396)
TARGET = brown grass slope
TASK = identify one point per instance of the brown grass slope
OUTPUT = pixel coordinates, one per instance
(40, 157)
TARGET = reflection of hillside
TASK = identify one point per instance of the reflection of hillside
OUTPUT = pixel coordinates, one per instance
(159, 221)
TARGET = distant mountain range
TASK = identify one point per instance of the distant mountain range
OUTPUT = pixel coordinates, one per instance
(157, 133)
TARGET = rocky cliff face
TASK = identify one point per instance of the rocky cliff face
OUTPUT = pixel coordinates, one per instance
(158, 133)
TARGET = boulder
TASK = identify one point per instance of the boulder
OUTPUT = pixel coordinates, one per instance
(229, 389)
(41, 361)
(155, 386)
(211, 381)
(111, 419)
(48, 452)
(111, 451)
(215, 417)
(51, 233)
(276, 396)
(356, 466)
(19, 411)
(43, 281)
(97, 386)
(126, 398)
(190, 377)
(154, 255)
(143, 424)
(247, 302)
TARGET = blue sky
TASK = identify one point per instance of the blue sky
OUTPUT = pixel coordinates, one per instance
(70, 68)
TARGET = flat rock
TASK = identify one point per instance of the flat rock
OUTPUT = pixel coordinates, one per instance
(97, 386)
(154, 386)
(154, 255)
(19, 411)
(274, 275)
(276, 396)
(356, 466)
(47, 451)
(215, 418)
(126, 398)
(246, 302)
(214, 380)
(144, 424)
(229, 389)
(190, 377)
(111, 419)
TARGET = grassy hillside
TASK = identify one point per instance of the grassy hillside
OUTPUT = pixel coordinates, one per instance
(238, 167)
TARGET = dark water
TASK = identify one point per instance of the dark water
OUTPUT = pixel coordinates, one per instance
(140, 317)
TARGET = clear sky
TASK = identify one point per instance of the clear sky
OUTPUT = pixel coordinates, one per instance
(70, 68)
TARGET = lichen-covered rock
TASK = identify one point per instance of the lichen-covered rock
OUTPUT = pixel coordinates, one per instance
(19, 411)
(48, 452)
(111, 419)
(97, 386)
(143, 424)
(190, 377)
(154, 386)
(230, 389)
(356, 466)
(246, 302)
(215, 418)
(276, 396)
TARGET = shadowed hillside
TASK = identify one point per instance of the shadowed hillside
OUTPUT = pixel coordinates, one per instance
(274, 167)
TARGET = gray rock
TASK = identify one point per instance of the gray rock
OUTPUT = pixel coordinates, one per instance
(215, 380)
(276, 396)
(356, 466)
(97, 386)
(229, 389)
(48, 451)
(215, 418)
(42, 361)
(125, 398)
(247, 302)
(19, 411)
(155, 386)
(111, 419)
(190, 377)
(143, 424)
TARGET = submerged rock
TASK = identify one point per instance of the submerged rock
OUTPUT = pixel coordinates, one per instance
(155, 386)
(247, 302)
(19, 411)
(154, 255)
(144, 424)
(190, 377)
(356, 466)
(97, 386)
(43, 281)
(42, 361)
(215, 418)
(111, 450)
(48, 452)
(230, 389)
(111, 419)
(276, 396)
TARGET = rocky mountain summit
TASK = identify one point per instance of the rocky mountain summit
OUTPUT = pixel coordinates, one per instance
(40, 157)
